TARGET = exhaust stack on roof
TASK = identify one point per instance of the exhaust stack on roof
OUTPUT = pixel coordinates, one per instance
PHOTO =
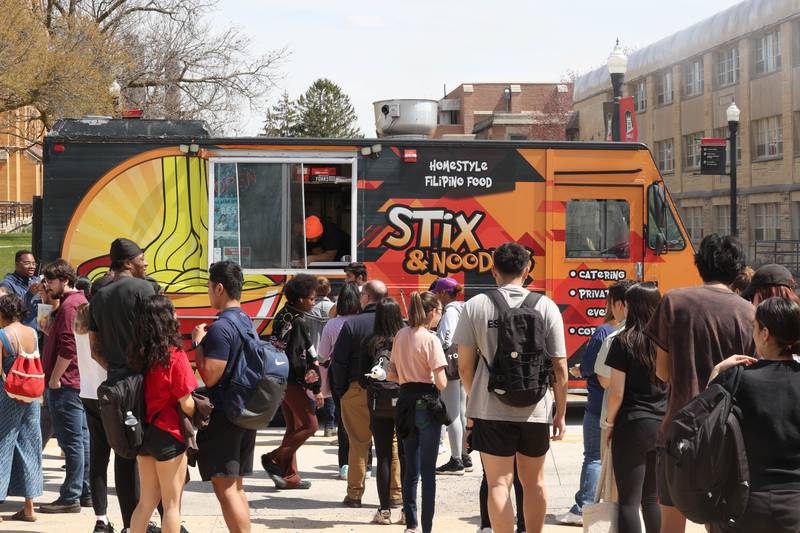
(406, 118)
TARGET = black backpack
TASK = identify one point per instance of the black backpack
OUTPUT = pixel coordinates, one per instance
(254, 380)
(705, 462)
(116, 397)
(521, 371)
(381, 395)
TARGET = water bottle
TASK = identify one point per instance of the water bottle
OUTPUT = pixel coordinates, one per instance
(131, 421)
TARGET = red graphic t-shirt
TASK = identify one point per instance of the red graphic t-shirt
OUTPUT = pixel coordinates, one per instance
(162, 389)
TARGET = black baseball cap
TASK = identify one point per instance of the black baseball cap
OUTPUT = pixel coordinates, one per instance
(769, 275)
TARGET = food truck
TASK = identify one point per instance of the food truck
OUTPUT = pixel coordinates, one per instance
(591, 214)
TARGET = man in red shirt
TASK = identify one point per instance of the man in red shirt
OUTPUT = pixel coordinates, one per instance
(60, 362)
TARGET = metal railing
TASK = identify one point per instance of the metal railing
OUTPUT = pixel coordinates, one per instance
(783, 252)
(14, 212)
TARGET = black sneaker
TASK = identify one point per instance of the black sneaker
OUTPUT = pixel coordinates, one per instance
(103, 527)
(453, 467)
(467, 460)
(153, 528)
(60, 506)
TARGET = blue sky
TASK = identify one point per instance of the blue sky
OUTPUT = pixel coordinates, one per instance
(412, 48)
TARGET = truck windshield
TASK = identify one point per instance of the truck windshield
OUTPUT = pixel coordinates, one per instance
(672, 232)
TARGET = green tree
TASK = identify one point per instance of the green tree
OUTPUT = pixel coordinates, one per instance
(281, 118)
(325, 111)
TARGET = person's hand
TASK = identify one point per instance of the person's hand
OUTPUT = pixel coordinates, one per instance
(311, 376)
(199, 332)
(608, 431)
(55, 383)
(34, 288)
(734, 360)
(575, 370)
(320, 400)
(559, 427)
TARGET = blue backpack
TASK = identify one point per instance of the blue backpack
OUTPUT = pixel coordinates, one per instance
(254, 380)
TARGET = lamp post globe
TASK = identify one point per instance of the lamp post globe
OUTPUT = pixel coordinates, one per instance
(114, 89)
(733, 112)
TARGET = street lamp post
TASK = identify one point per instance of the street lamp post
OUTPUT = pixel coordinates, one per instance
(617, 65)
(733, 127)
(115, 91)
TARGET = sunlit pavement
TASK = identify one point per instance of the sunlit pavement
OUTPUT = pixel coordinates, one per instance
(319, 508)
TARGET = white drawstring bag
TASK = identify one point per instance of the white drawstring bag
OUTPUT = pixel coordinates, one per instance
(602, 515)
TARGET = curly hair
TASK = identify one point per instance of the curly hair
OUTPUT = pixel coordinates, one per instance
(154, 332)
(12, 308)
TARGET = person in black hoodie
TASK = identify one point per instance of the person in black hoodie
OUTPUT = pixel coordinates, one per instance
(290, 326)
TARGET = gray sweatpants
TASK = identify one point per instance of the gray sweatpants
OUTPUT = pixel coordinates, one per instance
(455, 399)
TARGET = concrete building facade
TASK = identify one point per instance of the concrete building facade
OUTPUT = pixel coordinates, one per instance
(508, 111)
(682, 86)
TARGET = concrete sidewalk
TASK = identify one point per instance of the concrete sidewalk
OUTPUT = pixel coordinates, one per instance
(319, 508)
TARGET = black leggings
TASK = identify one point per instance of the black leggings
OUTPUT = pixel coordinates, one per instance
(483, 495)
(341, 434)
(383, 431)
(126, 479)
(634, 458)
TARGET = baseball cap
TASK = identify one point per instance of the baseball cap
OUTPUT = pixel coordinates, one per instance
(313, 228)
(769, 275)
(444, 285)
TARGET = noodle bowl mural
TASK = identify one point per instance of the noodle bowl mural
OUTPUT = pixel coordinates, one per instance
(159, 200)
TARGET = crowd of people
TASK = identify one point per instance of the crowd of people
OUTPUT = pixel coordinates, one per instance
(386, 380)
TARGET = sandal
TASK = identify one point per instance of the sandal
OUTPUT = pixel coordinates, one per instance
(20, 516)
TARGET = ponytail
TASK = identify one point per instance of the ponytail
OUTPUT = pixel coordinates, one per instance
(422, 303)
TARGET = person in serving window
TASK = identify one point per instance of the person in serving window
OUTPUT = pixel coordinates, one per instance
(325, 241)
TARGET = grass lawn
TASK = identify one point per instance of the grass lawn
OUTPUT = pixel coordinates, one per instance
(9, 244)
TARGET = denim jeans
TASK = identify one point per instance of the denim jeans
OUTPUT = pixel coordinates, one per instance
(72, 433)
(420, 453)
(590, 471)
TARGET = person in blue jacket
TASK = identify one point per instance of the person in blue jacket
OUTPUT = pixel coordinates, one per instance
(24, 283)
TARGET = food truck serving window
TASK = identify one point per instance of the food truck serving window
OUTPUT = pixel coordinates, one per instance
(260, 211)
(598, 228)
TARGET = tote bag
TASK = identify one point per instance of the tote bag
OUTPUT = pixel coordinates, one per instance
(601, 516)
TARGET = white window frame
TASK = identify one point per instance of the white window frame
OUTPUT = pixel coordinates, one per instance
(640, 95)
(763, 214)
(693, 216)
(664, 87)
(722, 224)
(301, 158)
(728, 67)
(693, 78)
(695, 152)
(767, 53)
(768, 133)
(665, 152)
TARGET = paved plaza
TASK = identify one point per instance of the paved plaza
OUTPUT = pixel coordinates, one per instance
(320, 508)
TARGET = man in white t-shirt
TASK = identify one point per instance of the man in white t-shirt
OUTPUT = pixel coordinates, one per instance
(503, 433)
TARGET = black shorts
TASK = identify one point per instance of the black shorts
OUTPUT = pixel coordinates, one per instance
(505, 439)
(224, 449)
(661, 478)
(160, 445)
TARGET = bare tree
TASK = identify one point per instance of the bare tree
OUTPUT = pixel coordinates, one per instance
(59, 57)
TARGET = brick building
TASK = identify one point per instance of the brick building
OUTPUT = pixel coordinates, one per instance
(682, 86)
(515, 111)
(20, 163)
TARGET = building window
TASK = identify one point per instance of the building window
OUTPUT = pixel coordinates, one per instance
(665, 158)
(693, 220)
(722, 219)
(766, 225)
(640, 96)
(767, 52)
(767, 138)
(722, 133)
(796, 43)
(598, 228)
(728, 67)
(664, 88)
(795, 123)
(691, 147)
(693, 78)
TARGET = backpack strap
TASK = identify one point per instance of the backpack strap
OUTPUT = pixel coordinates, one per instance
(498, 300)
(531, 300)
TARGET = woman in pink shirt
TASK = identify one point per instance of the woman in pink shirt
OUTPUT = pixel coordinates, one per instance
(348, 304)
(418, 364)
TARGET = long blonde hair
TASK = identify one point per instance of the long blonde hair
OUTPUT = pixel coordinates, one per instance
(422, 303)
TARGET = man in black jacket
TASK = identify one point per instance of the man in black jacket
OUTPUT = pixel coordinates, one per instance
(349, 384)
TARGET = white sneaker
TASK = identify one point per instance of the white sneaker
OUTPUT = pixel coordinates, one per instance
(484, 530)
(382, 517)
(343, 472)
(569, 518)
(402, 520)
